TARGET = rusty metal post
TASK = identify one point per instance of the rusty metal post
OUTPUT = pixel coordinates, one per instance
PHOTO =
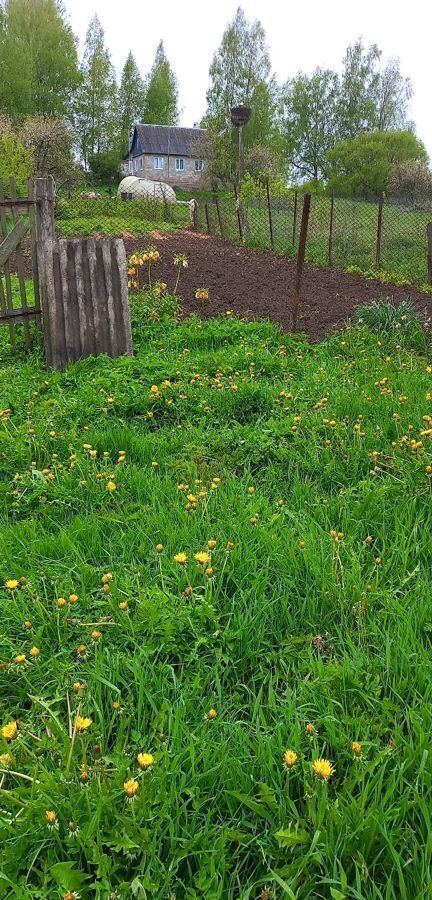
(270, 214)
(239, 213)
(330, 244)
(300, 260)
(294, 219)
(429, 239)
(379, 234)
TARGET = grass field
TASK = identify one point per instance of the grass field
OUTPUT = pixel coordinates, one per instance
(298, 474)
(110, 216)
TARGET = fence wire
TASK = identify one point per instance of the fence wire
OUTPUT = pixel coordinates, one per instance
(368, 237)
(87, 214)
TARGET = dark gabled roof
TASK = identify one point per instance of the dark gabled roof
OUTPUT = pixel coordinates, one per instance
(169, 139)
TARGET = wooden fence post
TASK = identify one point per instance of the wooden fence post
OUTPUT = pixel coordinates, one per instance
(207, 215)
(219, 215)
(300, 260)
(45, 235)
(294, 219)
(330, 244)
(429, 238)
(379, 234)
(270, 214)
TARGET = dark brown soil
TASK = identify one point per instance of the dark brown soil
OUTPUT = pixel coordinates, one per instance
(259, 284)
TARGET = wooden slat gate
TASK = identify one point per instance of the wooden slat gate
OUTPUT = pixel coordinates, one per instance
(18, 302)
(80, 292)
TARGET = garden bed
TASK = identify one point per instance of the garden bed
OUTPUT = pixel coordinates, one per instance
(258, 283)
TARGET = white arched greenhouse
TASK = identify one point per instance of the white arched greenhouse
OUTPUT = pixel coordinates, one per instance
(133, 188)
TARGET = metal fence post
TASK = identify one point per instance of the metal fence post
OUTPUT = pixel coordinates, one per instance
(379, 234)
(207, 217)
(219, 215)
(300, 259)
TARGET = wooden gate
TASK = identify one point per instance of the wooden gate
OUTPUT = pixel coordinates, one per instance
(79, 287)
(18, 303)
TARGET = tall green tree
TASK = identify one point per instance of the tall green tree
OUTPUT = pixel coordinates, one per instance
(161, 99)
(394, 93)
(131, 100)
(359, 90)
(240, 75)
(97, 107)
(310, 121)
(38, 59)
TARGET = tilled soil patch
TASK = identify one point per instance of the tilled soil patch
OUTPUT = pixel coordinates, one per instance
(259, 284)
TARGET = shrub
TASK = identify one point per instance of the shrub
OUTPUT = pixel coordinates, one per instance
(401, 322)
(411, 181)
(361, 166)
(15, 159)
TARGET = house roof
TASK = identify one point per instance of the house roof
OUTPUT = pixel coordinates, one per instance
(170, 140)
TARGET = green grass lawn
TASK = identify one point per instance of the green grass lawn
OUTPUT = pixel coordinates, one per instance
(110, 216)
(300, 473)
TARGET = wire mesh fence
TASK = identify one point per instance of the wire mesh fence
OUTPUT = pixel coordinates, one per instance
(89, 213)
(369, 237)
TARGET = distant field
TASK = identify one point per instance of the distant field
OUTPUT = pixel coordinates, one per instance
(110, 216)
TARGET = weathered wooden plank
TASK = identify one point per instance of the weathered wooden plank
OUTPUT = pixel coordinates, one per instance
(82, 286)
(20, 314)
(23, 202)
(11, 241)
(118, 257)
(32, 220)
(44, 198)
(8, 298)
(109, 297)
(20, 261)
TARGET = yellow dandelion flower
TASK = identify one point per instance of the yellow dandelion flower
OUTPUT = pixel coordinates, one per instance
(159, 548)
(20, 659)
(290, 758)
(323, 769)
(95, 635)
(73, 598)
(130, 788)
(111, 486)
(34, 652)
(82, 723)
(212, 714)
(123, 605)
(356, 748)
(310, 729)
(202, 557)
(61, 602)
(12, 584)
(180, 558)
(211, 545)
(5, 760)
(10, 731)
(51, 817)
(145, 760)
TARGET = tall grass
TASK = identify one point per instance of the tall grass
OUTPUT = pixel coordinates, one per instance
(309, 466)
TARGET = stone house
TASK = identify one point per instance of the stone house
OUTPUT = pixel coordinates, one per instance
(169, 153)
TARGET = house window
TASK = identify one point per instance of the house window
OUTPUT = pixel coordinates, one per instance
(158, 162)
(198, 165)
(179, 165)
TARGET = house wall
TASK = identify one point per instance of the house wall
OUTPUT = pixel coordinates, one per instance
(142, 166)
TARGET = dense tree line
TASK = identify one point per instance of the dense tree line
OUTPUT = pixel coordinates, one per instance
(315, 126)
(322, 127)
(42, 78)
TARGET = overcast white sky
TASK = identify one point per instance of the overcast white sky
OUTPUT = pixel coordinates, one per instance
(301, 35)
